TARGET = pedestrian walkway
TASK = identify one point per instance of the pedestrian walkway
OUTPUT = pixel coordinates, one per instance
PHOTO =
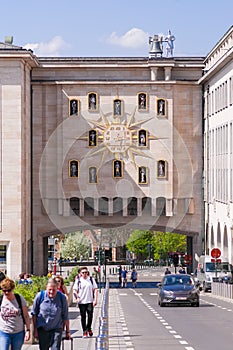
(76, 329)
(118, 334)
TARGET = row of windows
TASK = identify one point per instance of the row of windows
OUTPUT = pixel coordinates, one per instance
(221, 97)
(221, 163)
(117, 105)
(132, 206)
(118, 171)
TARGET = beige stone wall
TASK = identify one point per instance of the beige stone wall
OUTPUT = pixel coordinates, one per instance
(15, 154)
(59, 138)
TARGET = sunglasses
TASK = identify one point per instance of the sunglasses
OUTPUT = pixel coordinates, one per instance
(84, 272)
(59, 281)
(6, 290)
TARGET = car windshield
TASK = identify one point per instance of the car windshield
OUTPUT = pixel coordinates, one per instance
(210, 267)
(183, 280)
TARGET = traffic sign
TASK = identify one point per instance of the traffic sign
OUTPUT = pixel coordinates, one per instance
(216, 260)
(215, 253)
(188, 258)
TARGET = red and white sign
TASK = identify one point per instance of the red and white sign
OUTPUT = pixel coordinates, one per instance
(215, 253)
(216, 260)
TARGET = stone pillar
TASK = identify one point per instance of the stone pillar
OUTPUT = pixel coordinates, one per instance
(96, 207)
(139, 206)
(125, 206)
(167, 73)
(81, 207)
(110, 207)
(189, 205)
(154, 71)
(169, 211)
(153, 207)
(66, 207)
(60, 206)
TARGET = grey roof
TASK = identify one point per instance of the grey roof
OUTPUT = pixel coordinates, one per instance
(10, 46)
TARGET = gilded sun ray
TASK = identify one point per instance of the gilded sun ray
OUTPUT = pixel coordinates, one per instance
(120, 138)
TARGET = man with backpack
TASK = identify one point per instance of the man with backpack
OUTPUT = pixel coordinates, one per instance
(86, 292)
(50, 316)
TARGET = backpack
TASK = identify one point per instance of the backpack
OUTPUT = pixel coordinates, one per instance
(19, 301)
(79, 283)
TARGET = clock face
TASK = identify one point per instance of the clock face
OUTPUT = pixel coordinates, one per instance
(117, 138)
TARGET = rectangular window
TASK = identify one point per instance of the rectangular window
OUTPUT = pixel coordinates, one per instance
(2, 254)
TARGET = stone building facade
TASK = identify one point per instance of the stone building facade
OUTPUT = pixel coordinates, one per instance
(97, 142)
(218, 151)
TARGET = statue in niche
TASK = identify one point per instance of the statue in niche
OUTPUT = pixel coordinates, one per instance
(161, 106)
(92, 175)
(92, 103)
(74, 168)
(92, 138)
(161, 168)
(117, 168)
(117, 110)
(73, 106)
(142, 138)
(142, 101)
(142, 175)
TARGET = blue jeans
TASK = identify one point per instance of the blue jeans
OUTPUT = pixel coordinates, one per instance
(49, 339)
(16, 340)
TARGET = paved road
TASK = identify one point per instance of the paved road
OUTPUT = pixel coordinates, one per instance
(137, 322)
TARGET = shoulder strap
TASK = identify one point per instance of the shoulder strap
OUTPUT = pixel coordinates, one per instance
(1, 297)
(41, 296)
(91, 280)
(19, 301)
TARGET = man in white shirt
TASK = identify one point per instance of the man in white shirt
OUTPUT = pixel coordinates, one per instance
(86, 293)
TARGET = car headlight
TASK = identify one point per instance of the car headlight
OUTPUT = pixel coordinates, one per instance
(167, 293)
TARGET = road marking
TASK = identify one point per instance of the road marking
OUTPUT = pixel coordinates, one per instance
(164, 323)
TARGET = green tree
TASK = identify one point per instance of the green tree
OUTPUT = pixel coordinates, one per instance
(138, 242)
(75, 245)
(164, 242)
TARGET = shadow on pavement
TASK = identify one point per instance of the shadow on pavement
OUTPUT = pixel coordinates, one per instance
(139, 285)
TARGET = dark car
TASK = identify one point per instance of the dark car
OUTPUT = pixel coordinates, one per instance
(178, 289)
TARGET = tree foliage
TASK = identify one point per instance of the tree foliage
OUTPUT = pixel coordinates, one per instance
(161, 242)
(165, 242)
(138, 242)
(75, 245)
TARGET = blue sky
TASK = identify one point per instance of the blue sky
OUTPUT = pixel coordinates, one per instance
(80, 28)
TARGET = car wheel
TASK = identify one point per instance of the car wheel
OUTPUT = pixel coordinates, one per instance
(197, 304)
(161, 304)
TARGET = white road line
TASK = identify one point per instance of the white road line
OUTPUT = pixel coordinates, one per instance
(165, 324)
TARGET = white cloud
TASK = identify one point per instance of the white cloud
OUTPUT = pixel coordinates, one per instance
(134, 38)
(51, 48)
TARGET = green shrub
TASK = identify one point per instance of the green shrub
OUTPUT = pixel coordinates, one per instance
(73, 274)
(29, 291)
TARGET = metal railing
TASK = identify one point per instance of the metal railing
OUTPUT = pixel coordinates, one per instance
(224, 290)
(102, 340)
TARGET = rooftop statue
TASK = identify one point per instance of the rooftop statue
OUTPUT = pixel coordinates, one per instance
(156, 45)
(170, 45)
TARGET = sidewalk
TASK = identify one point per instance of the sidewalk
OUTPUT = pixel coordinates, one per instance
(117, 334)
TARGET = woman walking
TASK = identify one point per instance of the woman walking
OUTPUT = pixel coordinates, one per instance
(13, 317)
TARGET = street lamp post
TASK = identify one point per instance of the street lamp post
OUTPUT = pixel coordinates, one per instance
(54, 258)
